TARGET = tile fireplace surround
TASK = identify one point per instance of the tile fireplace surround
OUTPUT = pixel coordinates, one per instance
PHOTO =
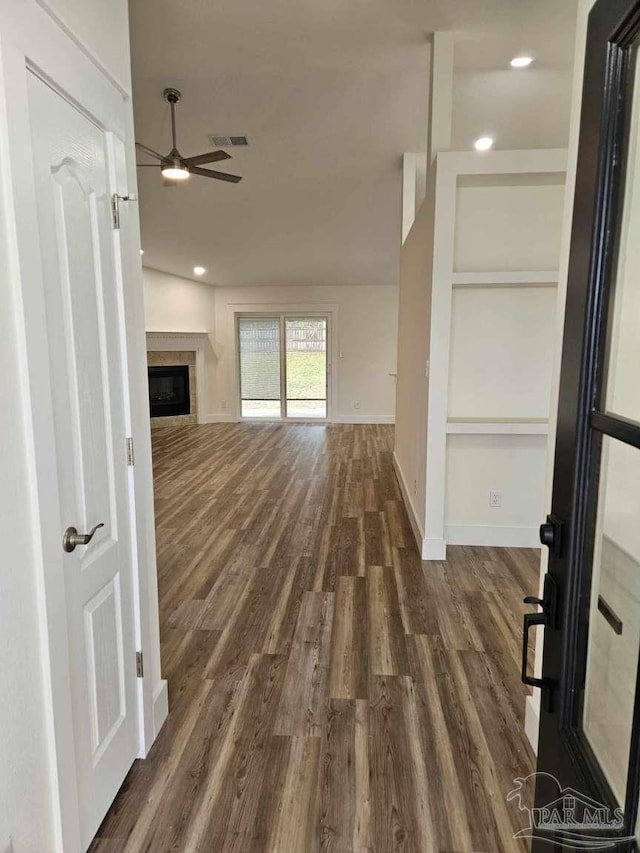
(180, 348)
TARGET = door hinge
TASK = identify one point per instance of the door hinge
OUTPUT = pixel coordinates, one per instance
(130, 459)
(115, 207)
(139, 665)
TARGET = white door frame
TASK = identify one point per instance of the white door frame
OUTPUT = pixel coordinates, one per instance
(32, 40)
(290, 309)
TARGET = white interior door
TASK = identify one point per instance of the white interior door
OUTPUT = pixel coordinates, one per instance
(71, 170)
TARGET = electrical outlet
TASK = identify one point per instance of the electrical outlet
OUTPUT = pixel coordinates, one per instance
(356, 404)
(426, 369)
(495, 497)
(223, 403)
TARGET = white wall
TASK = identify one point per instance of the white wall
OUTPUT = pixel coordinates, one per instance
(103, 28)
(501, 352)
(507, 228)
(366, 333)
(367, 323)
(501, 357)
(173, 304)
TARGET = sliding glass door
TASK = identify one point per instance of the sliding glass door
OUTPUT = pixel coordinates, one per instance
(283, 366)
(306, 367)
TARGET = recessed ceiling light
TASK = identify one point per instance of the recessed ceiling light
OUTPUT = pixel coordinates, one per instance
(521, 61)
(199, 270)
(484, 143)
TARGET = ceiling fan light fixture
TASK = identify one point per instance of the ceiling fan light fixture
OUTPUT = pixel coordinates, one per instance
(175, 171)
(174, 167)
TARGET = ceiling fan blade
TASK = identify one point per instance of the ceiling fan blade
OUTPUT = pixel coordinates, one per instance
(209, 173)
(210, 157)
(150, 151)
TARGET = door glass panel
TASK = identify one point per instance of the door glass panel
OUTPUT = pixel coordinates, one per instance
(624, 347)
(306, 367)
(614, 619)
(259, 348)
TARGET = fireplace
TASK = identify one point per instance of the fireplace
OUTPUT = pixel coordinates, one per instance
(169, 391)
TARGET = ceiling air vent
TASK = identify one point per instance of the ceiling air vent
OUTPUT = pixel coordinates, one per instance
(228, 141)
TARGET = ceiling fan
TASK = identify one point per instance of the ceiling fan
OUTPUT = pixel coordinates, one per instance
(174, 166)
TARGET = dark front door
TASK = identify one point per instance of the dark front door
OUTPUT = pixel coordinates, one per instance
(588, 779)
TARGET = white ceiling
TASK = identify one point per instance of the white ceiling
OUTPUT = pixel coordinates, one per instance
(330, 94)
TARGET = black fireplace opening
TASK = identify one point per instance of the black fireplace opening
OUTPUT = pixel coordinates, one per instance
(169, 391)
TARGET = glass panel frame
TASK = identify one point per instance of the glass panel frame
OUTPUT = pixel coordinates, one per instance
(289, 400)
(598, 424)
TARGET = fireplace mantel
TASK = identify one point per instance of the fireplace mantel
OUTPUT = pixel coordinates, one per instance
(205, 336)
(195, 341)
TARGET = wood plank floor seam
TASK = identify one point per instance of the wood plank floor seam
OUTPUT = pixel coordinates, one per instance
(328, 690)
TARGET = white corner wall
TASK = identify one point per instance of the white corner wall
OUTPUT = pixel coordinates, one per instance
(364, 361)
(414, 332)
(173, 304)
(477, 307)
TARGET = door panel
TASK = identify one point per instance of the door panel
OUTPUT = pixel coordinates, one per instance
(589, 744)
(306, 367)
(77, 228)
(614, 614)
(84, 347)
(260, 369)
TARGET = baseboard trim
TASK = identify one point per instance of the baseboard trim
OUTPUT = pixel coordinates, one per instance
(227, 417)
(219, 418)
(532, 720)
(160, 706)
(434, 549)
(362, 419)
(416, 527)
(497, 536)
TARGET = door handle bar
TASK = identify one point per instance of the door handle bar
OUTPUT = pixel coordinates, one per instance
(546, 617)
(71, 537)
(529, 620)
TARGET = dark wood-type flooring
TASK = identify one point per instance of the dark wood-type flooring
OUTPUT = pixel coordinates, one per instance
(328, 691)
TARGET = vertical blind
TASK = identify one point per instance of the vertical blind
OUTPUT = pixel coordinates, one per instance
(259, 343)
